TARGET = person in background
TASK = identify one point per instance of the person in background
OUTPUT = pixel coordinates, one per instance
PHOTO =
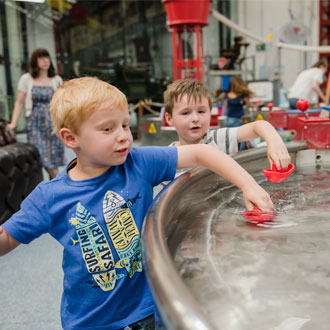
(96, 207)
(235, 98)
(188, 107)
(307, 85)
(35, 90)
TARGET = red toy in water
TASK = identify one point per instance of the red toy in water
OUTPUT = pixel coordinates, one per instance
(275, 175)
(258, 216)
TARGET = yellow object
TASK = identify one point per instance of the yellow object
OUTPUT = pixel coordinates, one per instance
(60, 5)
(270, 37)
(260, 117)
(94, 24)
(152, 129)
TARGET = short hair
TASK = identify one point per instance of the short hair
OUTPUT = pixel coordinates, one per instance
(34, 69)
(75, 100)
(194, 89)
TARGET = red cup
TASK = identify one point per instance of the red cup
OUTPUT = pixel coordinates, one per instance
(275, 175)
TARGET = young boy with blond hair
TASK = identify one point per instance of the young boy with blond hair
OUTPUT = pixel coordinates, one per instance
(95, 208)
(188, 107)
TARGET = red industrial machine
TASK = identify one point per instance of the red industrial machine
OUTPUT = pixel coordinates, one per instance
(186, 19)
(307, 124)
(315, 131)
(287, 119)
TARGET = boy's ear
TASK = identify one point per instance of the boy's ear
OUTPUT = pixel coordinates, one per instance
(68, 138)
(168, 119)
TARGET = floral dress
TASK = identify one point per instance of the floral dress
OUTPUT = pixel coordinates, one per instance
(39, 128)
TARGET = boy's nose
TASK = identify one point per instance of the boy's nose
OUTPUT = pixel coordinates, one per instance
(122, 135)
(195, 116)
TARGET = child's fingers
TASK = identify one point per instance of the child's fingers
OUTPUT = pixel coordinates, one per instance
(249, 206)
(286, 160)
(264, 206)
(273, 161)
(1, 230)
(260, 199)
(281, 161)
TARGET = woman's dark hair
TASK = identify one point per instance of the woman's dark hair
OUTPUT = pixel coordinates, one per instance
(320, 63)
(34, 69)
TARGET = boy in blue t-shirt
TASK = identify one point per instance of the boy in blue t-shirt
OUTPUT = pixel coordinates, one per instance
(96, 207)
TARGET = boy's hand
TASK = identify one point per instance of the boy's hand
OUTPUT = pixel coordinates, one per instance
(256, 196)
(7, 242)
(278, 153)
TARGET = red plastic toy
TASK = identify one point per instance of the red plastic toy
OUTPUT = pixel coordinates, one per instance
(270, 106)
(302, 105)
(258, 216)
(275, 175)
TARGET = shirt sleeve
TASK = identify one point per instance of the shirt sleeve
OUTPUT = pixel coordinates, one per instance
(59, 81)
(319, 76)
(23, 83)
(31, 221)
(158, 164)
(225, 139)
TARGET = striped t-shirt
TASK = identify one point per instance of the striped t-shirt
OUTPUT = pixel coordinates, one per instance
(225, 139)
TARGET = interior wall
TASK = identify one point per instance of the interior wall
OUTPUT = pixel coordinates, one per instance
(264, 17)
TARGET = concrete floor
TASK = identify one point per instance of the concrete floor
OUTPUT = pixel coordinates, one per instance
(31, 282)
(31, 286)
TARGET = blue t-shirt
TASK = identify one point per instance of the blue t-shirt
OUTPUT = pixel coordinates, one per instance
(98, 221)
(235, 106)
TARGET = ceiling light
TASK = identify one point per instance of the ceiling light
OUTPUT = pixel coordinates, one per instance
(38, 1)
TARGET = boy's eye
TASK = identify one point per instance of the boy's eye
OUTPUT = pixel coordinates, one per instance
(201, 111)
(107, 129)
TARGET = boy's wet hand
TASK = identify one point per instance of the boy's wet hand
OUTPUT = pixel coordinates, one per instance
(257, 197)
(279, 155)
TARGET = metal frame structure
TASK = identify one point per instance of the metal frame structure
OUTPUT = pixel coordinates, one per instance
(324, 31)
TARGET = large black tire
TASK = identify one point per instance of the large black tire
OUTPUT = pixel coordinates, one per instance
(20, 172)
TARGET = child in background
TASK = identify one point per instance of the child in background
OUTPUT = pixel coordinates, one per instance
(188, 107)
(235, 99)
(95, 208)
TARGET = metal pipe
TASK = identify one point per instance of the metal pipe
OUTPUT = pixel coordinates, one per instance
(231, 24)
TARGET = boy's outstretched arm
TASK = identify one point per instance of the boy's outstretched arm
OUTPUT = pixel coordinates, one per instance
(225, 166)
(276, 150)
(7, 242)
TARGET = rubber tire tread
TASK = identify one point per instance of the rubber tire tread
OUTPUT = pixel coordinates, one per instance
(20, 172)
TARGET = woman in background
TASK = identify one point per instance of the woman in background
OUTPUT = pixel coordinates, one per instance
(35, 90)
